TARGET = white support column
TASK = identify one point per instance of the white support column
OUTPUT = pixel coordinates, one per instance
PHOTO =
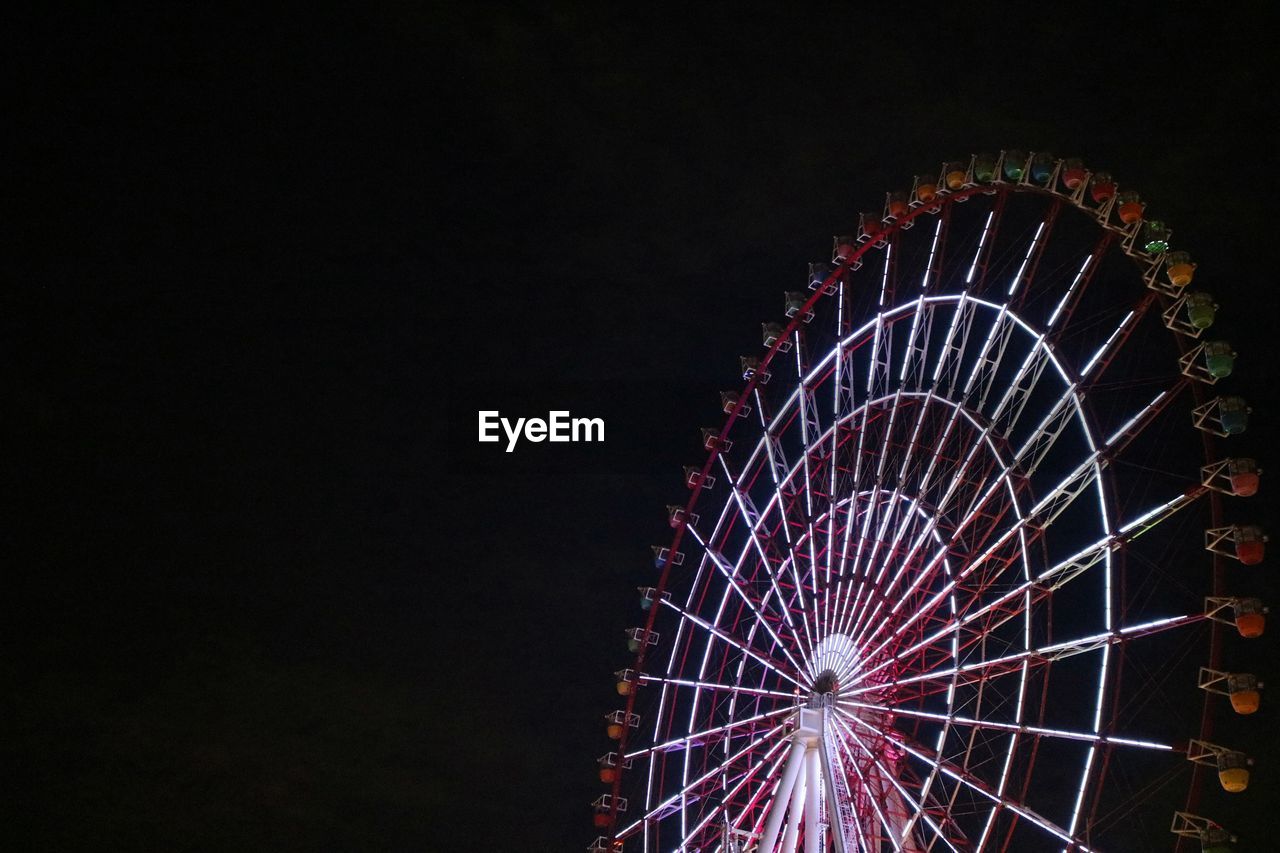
(791, 837)
(811, 834)
(779, 808)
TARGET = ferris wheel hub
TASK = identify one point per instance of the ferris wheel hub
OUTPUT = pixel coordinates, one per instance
(827, 683)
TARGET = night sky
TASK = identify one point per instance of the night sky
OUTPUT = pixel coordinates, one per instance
(266, 591)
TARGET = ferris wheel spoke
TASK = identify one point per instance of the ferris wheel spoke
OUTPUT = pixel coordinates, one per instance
(1026, 377)
(709, 736)
(864, 522)
(881, 346)
(880, 511)
(748, 641)
(1009, 409)
(877, 387)
(1020, 728)
(900, 833)
(873, 488)
(708, 685)
(936, 250)
(990, 356)
(944, 471)
(810, 425)
(851, 515)
(873, 588)
(722, 808)
(1104, 354)
(754, 701)
(936, 567)
(986, 243)
(958, 477)
(911, 461)
(887, 510)
(1044, 585)
(1038, 519)
(810, 430)
(768, 662)
(808, 561)
(757, 803)
(957, 590)
(1078, 563)
(1022, 281)
(842, 401)
(797, 600)
(730, 572)
(1051, 427)
(871, 796)
(697, 789)
(951, 355)
(964, 777)
(1071, 298)
(912, 373)
(1007, 663)
(864, 619)
(781, 474)
(935, 516)
(1004, 665)
(921, 579)
(753, 519)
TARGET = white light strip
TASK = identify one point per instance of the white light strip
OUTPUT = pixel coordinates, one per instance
(884, 280)
(707, 685)
(933, 250)
(1062, 303)
(1009, 727)
(766, 565)
(729, 572)
(871, 796)
(1013, 738)
(911, 339)
(1128, 425)
(708, 627)
(1017, 808)
(1017, 279)
(1107, 344)
(951, 335)
(1080, 792)
(1067, 398)
(683, 792)
(986, 229)
(766, 792)
(1077, 646)
(729, 795)
(696, 738)
(892, 779)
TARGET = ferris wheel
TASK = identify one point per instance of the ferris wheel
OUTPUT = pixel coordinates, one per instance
(948, 543)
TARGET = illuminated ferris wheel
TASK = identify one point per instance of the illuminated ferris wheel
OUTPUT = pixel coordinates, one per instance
(946, 541)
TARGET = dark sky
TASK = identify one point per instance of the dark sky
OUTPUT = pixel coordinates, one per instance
(267, 592)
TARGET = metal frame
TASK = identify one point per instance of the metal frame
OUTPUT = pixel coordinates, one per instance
(1190, 363)
(1188, 825)
(817, 542)
(1215, 537)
